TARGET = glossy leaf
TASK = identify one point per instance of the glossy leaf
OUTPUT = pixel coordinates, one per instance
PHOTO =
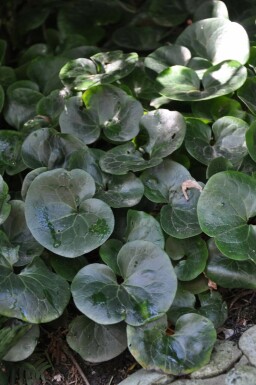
(217, 165)
(226, 211)
(192, 256)
(170, 14)
(10, 154)
(216, 39)
(101, 68)
(138, 37)
(95, 342)
(251, 140)
(165, 131)
(19, 235)
(21, 106)
(121, 190)
(48, 147)
(182, 83)
(167, 56)
(184, 352)
(24, 347)
(211, 8)
(35, 295)
(143, 267)
(67, 268)
(109, 252)
(143, 226)
(228, 272)
(5, 206)
(62, 215)
(124, 158)
(226, 139)
(51, 107)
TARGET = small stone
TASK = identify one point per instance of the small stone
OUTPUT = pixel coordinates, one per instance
(243, 375)
(247, 344)
(219, 380)
(224, 355)
(146, 377)
(243, 361)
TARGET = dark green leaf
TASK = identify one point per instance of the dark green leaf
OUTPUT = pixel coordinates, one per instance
(94, 342)
(211, 8)
(247, 94)
(251, 140)
(10, 154)
(109, 252)
(5, 206)
(67, 268)
(24, 347)
(187, 350)
(51, 107)
(2, 98)
(142, 38)
(63, 216)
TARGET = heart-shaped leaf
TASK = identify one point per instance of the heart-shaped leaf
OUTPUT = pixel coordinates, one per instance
(216, 39)
(62, 215)
(165, 131)
(183, 83)
(67, 268)
(19, 235)
(228, 272)
(125, 157)
(35, 295)
(143, 226)
(143, 267)
(10, 154)
(121, 190)
(48, 147)
(51, 106)
(109, 252)
(184, 352)
(95, 342)
(11, 331)
(101, 68)
(226, 139)
(226, 211)
(192, 256)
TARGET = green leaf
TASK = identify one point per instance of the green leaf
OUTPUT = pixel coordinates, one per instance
(161, 182)
(109, 252)
(24, 347)
(5, 206)
(101, 68)
(228, 272)
(121, 190)
(7, 76)
(125, 157)
(62, 215)
(35, 50)
(44, 71)
(16, 229)
(165, 131)
(51, 107)
(7, 249)
(169, 14)
(182, 353)
(48, 147)
(217, 108)
(30, 176)
(3, 47)
(226, 211)
(143, 267)
(217, 165)
(95, 342)
(142, 38)
(247, 94)
(192, 253)
(167, 56)
(35, 295)
(10, 154)
(251, 140)
(143, 226)
(213, 307)
(21, 106)
(217, 40)
(10, 334)
(67, 268)
(113, 111)
(226, 139)
(182, 83)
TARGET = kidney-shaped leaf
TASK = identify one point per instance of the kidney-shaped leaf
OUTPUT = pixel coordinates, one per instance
(216, 39)
(62, 215)
(184, 352)
(146, 293)
(226, 139)
(165, 131)
(5, 207)
(35, 295)
(183, 83)
(227, 210)
(94, 342)
(192, 256)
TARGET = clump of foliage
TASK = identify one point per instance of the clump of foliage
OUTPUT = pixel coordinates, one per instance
(127, 174)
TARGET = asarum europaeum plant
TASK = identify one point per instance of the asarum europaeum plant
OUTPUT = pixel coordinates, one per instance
(128, 162)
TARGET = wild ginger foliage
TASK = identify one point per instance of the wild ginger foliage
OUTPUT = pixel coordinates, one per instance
(127, 174)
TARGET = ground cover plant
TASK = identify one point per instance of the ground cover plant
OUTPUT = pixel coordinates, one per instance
(127, 186)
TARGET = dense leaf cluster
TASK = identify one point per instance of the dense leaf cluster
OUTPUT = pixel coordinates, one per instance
(127, 159)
